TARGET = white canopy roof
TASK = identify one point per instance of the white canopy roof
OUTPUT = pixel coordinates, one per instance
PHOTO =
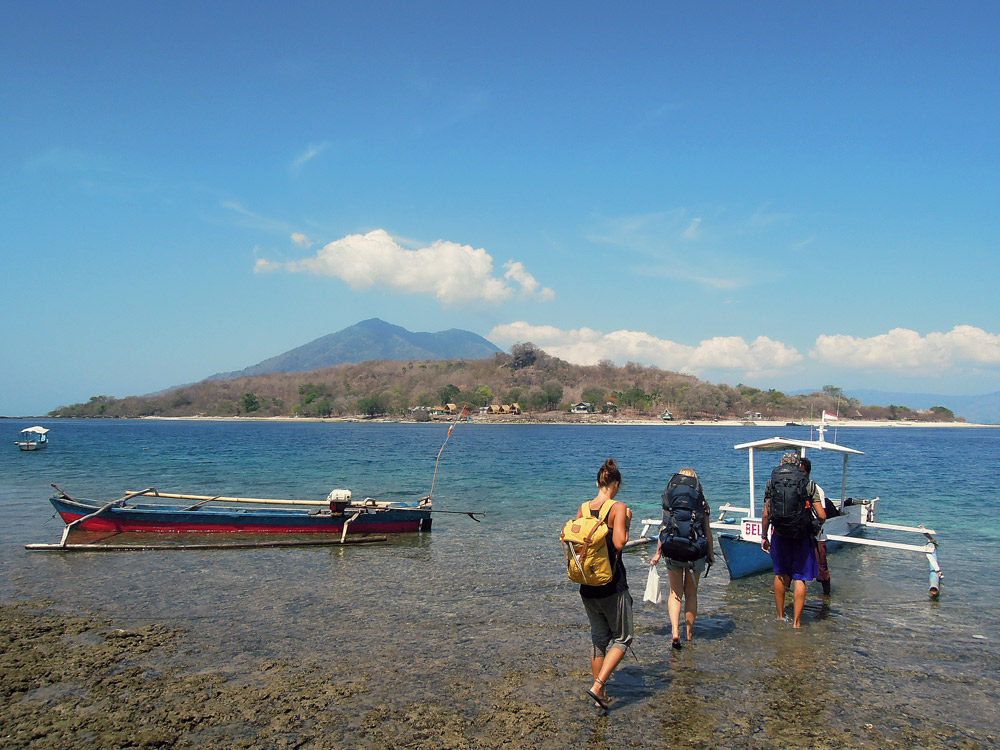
(781, 444)
(39, 430)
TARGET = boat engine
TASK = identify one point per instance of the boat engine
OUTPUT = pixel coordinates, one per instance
(339, 500)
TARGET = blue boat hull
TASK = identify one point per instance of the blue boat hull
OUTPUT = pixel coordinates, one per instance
(173, 519)
(746, 558)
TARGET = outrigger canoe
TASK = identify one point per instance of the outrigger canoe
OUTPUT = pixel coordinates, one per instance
(152, 511)
(739, 537)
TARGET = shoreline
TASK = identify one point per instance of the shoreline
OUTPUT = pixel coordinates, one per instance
(554, 419)
(594, 421)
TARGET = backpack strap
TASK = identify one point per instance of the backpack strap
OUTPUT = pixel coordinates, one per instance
(605, 510)
(602, 516)
(602, 513)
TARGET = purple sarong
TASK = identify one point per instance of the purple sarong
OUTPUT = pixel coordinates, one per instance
(794, 557)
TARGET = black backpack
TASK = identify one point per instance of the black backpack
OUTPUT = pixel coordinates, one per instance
(682, 533)
(790, 512)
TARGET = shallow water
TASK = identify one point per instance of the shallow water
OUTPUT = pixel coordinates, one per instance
(472, 614)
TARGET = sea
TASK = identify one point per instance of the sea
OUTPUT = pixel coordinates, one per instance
(479, 608)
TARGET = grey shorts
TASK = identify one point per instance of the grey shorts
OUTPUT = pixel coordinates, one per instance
(698, 566)
(610, 622)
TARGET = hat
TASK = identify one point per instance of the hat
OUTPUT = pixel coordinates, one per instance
(790, 458)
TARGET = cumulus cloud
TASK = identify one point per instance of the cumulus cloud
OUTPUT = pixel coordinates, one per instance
(529, 285)
(586, 346)
(452, 273)
(903, 349)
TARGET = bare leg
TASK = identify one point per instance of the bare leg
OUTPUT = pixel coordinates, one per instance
(674, 601)
(781, 584)
(824, 569)
(602, 667)
(690, 600)
(800, 601)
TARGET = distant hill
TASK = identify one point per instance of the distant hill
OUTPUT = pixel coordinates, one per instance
(368, 340)
(983, 409)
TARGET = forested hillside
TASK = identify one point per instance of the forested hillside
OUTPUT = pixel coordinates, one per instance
(542, 385)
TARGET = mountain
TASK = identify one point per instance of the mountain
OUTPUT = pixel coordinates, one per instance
(368, 340)
(983, 409)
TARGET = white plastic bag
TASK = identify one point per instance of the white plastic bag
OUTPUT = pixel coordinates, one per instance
(652, 586)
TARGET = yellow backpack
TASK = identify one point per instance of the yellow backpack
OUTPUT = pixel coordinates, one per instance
(585, 543)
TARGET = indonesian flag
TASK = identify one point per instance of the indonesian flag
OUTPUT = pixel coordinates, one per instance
(828, 415)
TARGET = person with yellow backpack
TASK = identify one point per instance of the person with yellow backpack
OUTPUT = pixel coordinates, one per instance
(593, 543)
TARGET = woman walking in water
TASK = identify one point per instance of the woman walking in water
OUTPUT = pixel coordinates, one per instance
(684, 500)
(608, 606)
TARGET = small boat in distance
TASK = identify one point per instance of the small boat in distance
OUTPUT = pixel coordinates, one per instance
(146, 511)
(33, 439)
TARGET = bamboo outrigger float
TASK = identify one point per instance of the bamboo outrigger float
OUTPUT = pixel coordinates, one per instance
(740, 537)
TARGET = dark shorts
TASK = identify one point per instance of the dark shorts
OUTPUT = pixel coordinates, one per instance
(610, 622)
(794, 557)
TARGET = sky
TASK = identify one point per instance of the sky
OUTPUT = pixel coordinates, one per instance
(782, 194)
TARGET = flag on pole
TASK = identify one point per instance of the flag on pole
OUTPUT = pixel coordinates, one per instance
(828, 415)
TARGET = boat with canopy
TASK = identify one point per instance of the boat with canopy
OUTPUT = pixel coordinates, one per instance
(33, 438)
(738, 528)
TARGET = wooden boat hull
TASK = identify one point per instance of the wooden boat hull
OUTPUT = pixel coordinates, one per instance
(156, 517)
(31, 445)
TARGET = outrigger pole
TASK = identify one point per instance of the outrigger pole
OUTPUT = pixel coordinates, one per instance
(430, 497)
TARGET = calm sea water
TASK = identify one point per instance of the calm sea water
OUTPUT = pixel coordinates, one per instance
(476, 602)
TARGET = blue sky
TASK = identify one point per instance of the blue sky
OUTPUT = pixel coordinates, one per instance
(782, 194)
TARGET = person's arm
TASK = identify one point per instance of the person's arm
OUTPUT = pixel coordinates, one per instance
(765, 521)
(663, 522)
(621, 519)
(819, 501)
(708, 534)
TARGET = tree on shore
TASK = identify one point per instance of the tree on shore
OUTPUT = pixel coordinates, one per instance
(382, 387)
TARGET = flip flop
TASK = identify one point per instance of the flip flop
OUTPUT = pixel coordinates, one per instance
(676, 643)
(600, 701)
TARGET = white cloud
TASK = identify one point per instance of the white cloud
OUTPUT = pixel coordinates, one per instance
(587, 346)
(300, 239)
(903, 349)
(663, 240)
(691, 233)
(529, 285)
(452, 273)
(249, 219)
(309, 154)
